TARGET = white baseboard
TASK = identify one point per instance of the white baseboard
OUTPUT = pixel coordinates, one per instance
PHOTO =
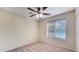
(19, 45)
(59, 46)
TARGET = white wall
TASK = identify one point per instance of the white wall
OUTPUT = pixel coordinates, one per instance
(77, 28)
(70, 41)
(16, 30)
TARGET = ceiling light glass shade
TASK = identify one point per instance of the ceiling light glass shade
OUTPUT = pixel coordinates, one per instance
(39, 15)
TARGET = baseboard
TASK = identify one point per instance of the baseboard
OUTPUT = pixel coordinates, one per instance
(19, 45)
(59, 46)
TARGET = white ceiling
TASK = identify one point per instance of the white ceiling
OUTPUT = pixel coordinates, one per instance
(52, 10)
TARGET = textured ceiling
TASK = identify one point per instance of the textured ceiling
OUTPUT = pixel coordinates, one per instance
(52, 10)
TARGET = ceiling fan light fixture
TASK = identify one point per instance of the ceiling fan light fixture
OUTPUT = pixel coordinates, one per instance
(39, 15)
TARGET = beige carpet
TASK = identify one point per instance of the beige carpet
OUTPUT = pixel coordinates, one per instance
(40, 47)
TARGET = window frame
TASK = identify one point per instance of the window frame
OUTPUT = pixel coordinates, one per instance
(54, 28)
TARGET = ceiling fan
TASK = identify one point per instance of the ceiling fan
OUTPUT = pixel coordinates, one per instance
(38, 11)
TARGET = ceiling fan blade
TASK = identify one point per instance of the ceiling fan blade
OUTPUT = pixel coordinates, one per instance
(46, 13)
(44, 8)
(38, 9)
(32, 15)
(31, 9)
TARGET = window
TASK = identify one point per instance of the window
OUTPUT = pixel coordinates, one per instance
(57, 29)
